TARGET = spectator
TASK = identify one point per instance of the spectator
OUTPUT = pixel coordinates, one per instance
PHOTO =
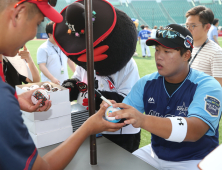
(153, 32)
(161, 27)
(136, 22)
(213, 32)
(52, 61)
(182, 106)
(19, 21)
(206, 55)
(12, 75)
(144, 34)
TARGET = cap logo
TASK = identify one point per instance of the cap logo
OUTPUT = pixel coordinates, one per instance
(188, 41)
(169, 33)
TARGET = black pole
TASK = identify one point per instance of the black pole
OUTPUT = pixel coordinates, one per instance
(90, 74)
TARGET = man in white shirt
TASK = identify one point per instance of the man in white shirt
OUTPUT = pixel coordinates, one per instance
(206, 54)
(52, 61)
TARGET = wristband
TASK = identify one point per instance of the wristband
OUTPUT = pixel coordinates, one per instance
(179, 129)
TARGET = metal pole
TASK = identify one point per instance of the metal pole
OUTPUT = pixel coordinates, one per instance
(90, 74)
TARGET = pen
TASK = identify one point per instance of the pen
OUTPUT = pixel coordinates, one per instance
(103, 98)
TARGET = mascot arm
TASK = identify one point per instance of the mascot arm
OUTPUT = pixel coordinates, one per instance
(109, 95)
(71, 84)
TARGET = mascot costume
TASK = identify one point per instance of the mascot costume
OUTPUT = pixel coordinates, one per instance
(114, 42)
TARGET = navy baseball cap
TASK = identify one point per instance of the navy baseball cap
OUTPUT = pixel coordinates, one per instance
(173, 36)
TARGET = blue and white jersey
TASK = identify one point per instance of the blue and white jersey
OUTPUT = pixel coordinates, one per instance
(198, 96)
(144, 34)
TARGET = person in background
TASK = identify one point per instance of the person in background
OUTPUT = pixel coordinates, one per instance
(213, 32)
(206, 54)
(12, 76)
(153, 33)
(161, 27)
(143, 36)
(52, 61)
(136, 23)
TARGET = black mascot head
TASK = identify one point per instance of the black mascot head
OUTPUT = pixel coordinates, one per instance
(114, 36)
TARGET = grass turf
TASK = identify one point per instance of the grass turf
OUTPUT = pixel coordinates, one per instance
(145, 66)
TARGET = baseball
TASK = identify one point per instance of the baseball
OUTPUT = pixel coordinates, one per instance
(110, 110)
(39, 94)
(35, 86)
(55, 89)
(26, 88)
(47, 86)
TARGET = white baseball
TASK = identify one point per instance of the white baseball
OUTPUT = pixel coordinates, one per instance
(37, 94)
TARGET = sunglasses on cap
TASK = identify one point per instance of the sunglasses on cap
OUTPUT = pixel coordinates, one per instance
(171, 34)
(51, 2)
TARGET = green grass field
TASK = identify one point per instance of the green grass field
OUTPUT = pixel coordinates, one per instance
(145, 66)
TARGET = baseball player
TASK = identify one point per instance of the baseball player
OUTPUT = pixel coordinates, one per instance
(182, 105)
(144, 34)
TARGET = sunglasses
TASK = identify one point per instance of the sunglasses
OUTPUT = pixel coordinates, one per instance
(171, 34)
(51, 2)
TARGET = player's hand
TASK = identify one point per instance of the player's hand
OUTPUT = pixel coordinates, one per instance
(96, 123)
(26, 104)
(25, 54)
(106, 104)
(56, 81)
(132, 115)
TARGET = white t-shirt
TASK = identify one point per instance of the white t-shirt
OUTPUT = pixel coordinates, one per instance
(209, 59)
(153, 33)
(123, 80)
(51, 54)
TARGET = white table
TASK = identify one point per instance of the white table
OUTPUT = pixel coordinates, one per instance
(109, 157)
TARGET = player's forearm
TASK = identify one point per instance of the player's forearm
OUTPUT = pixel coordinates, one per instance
(58, 158)
(158, 126)
(34, 71)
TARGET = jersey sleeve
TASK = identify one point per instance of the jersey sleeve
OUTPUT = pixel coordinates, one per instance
(17, 150)
(135, 97)
(41, 55)
(206, 104)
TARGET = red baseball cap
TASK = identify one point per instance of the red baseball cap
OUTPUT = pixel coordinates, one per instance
(46, 9)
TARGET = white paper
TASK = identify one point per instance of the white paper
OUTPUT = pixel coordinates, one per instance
(21, 66)
(213, 160)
